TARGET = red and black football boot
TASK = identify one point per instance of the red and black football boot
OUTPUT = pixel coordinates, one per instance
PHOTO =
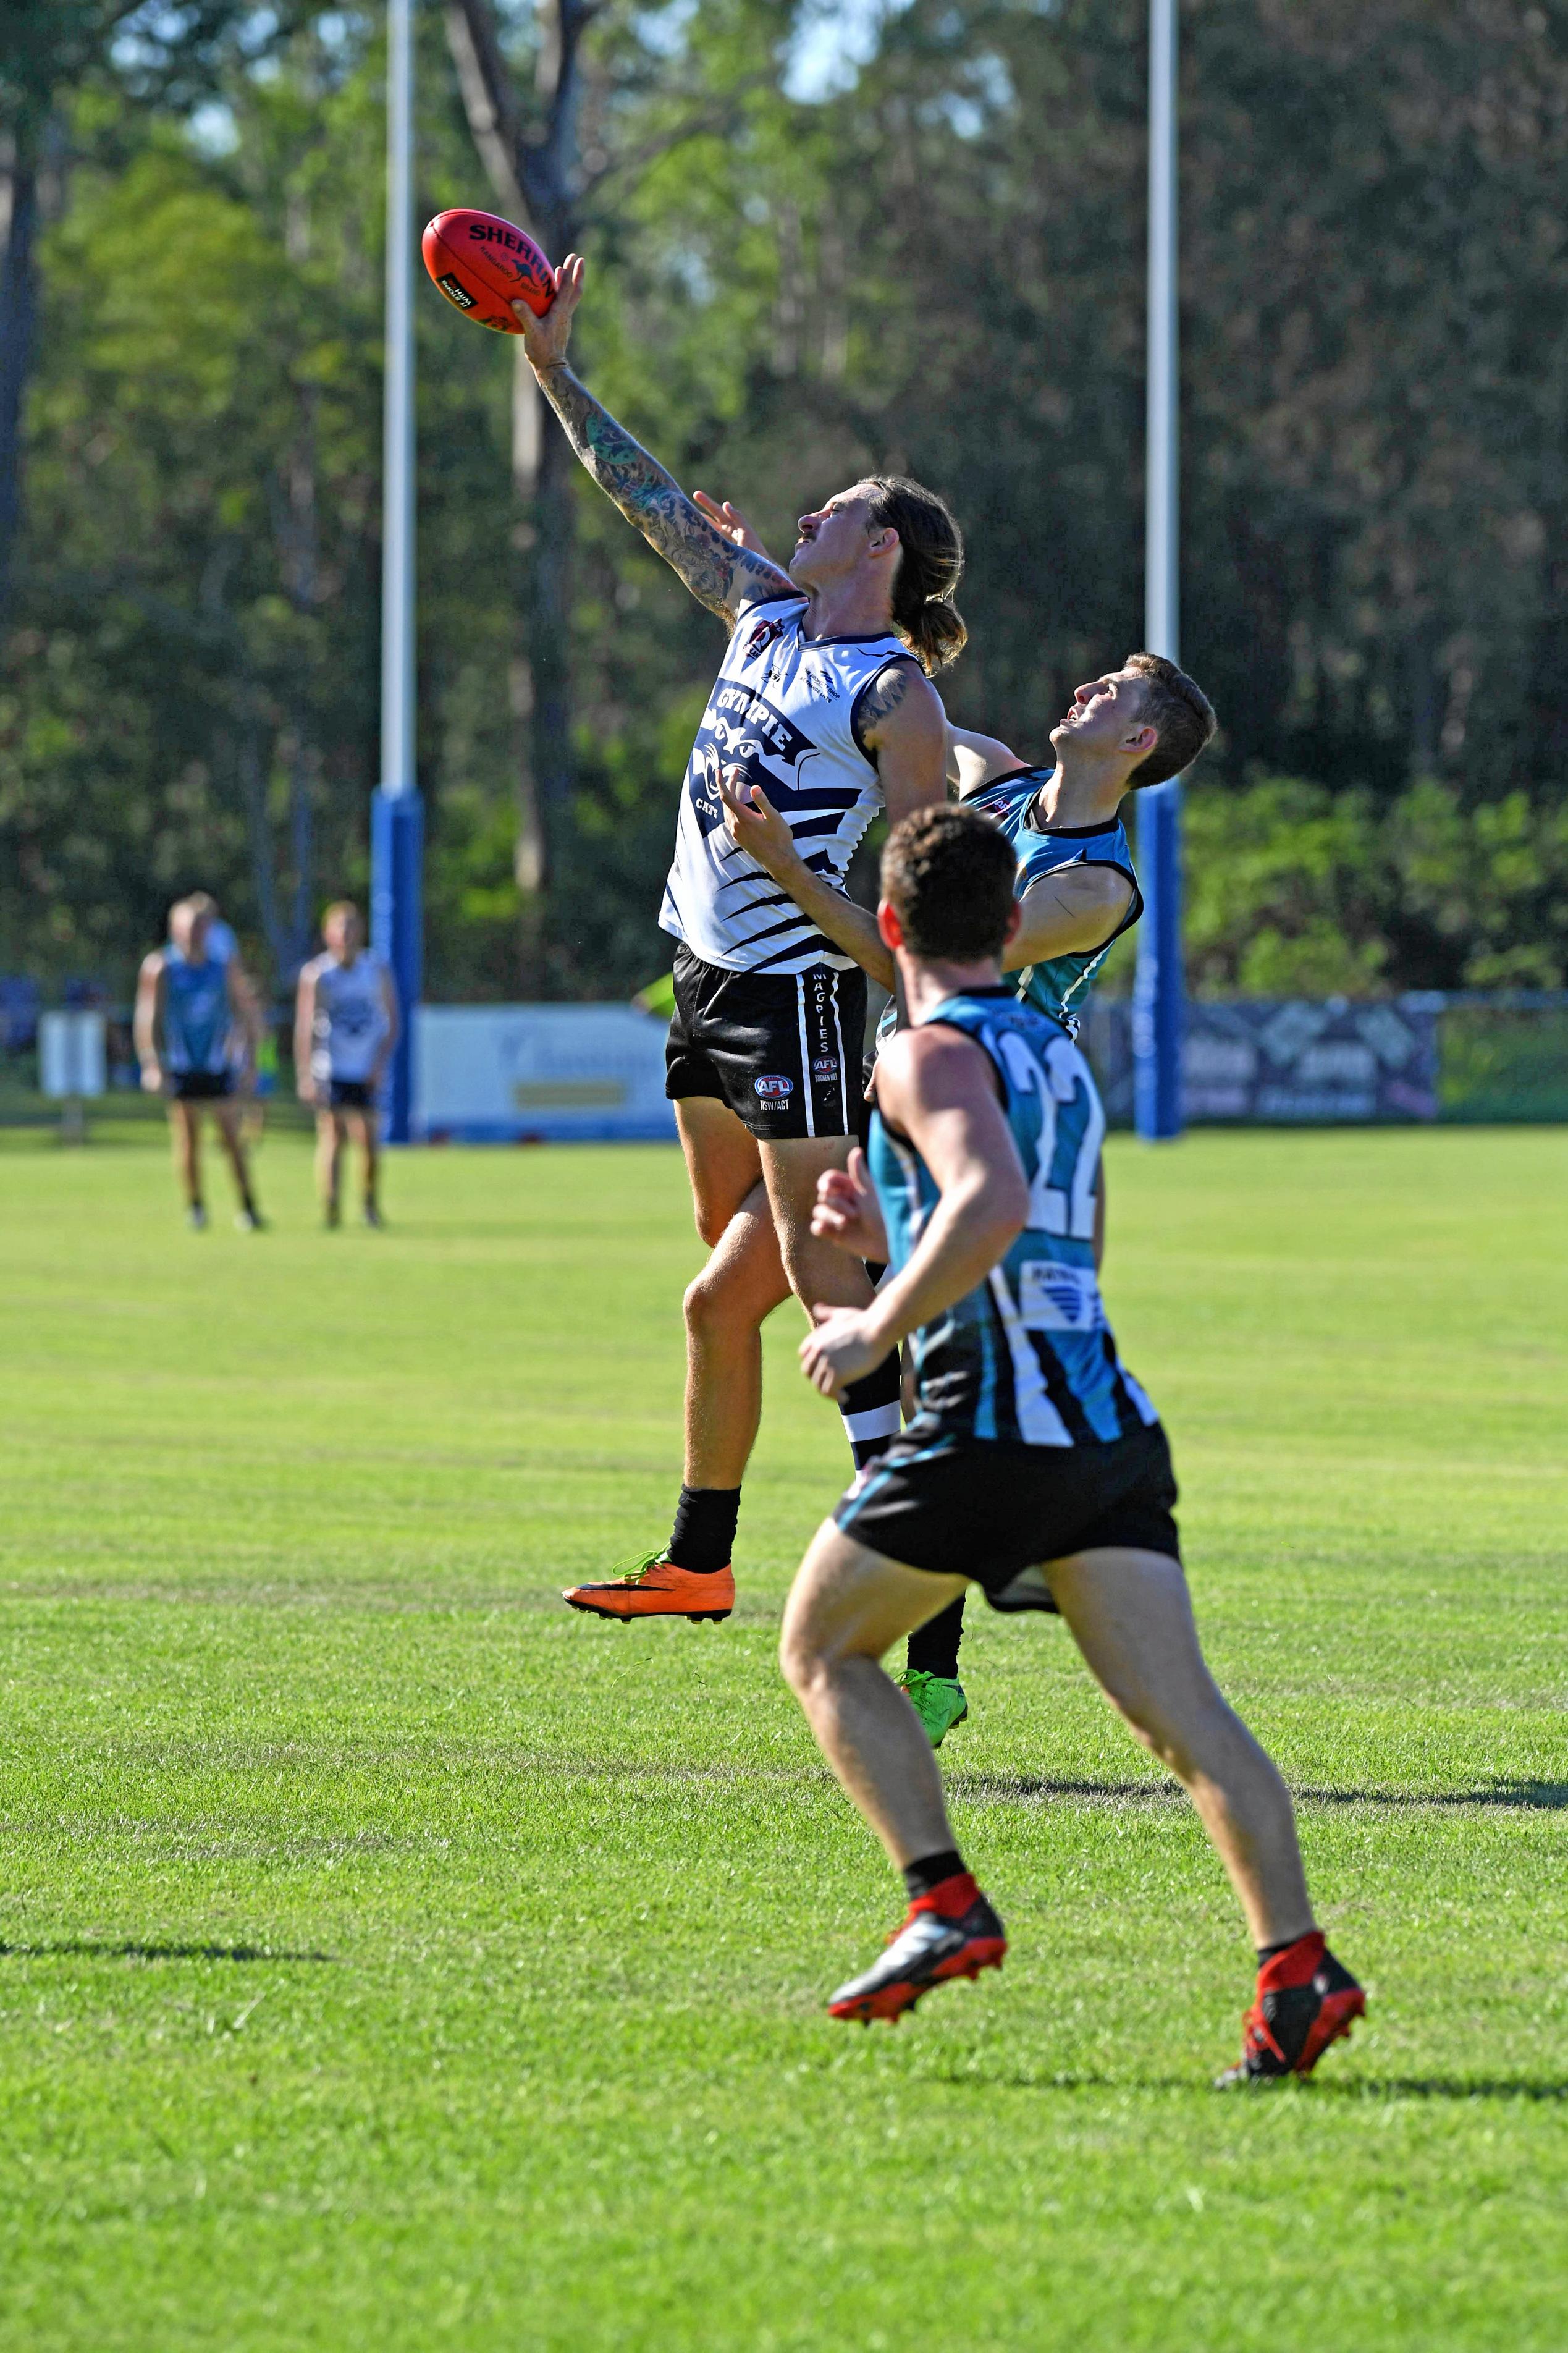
(1305, 2000)
(950, 1933)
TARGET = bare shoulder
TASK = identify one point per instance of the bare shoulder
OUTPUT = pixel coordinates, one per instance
(758, 580)
(975, 761)
(900, 701)
(929, 1069)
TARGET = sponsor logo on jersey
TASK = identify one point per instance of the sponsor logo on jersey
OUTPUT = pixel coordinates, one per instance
(820, 682)
(1056, 1298)
(772, 1089)
(824, 1066)
(765, 634)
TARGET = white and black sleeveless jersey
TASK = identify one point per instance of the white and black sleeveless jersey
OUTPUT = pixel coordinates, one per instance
(351, 1018)
(783, 711)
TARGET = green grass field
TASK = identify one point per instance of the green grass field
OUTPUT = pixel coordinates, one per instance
(390, 1959)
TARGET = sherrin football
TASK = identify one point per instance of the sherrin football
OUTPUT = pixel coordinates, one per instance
(483, 265)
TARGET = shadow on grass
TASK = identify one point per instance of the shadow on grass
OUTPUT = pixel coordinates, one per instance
(1366, 2091)
(66, 1951)
(1442, 2087)
(1543, 1796)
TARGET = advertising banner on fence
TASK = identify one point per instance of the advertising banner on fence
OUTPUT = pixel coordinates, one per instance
(1284, 1063)
(1307, 1061)
(560, 1074)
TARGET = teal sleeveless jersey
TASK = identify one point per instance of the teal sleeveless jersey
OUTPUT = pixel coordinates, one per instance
(1027, 1355)
(1061, 988)
(196, 1016)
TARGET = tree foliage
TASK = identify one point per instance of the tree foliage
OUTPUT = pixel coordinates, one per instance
(938, 268)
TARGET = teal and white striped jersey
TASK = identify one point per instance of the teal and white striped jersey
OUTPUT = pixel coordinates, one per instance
(1059, 986)
(1027, 1355)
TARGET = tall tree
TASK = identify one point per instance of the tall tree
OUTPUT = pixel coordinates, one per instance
(527, 83)
(165, 54)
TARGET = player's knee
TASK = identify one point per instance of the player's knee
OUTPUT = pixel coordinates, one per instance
(803, 1662)
(714, 1303)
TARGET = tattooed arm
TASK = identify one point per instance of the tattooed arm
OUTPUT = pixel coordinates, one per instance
(720, 574)
(901, 727)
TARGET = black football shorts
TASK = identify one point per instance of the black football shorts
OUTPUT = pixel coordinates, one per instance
(782, 1049)
(350, 1094)
(202, 1086)
(983, 1508)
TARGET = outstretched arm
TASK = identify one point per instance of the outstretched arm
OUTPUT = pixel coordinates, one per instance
(720, 574)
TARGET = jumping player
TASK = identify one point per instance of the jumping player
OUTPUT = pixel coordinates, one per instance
(196, 1027)
(345, 1029)
(1077, 892)
(824, 700)
(1035, 1464)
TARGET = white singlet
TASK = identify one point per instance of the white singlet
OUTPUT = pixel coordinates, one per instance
(351, 1018)
(783, 711)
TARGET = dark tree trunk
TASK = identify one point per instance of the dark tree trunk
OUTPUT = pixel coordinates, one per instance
(18, 319)
(534, 181)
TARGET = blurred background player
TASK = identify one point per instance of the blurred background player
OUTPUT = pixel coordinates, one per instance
(1035, 1464)
(1076, 887)
(823, 697)
(196, 1027)
(345, 1028)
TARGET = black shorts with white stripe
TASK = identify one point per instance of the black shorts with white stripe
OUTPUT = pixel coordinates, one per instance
(782, 1049)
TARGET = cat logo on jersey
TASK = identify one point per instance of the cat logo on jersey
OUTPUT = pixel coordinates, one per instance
(743, 729)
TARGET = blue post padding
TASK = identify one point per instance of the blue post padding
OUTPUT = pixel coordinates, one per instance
(1159, 993)
(397, 931)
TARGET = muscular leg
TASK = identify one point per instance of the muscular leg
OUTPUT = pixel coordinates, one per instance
(726, 1308)
(329, 1160)
(819, 1272)
(1131, 1617)
(846, 1605)
(184, 1135)
(729, 1301)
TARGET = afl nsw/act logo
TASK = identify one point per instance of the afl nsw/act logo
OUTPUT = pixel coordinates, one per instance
(824, 1066)
(775, 1092)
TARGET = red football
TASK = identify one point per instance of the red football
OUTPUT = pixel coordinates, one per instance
(483, 265)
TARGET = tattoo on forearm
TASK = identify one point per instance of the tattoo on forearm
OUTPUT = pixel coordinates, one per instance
(719, 575)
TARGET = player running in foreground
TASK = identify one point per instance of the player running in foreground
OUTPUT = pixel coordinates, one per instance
(1035, 1464)
(1076, 893)
(824, 700)
(196, 1027)
(345, 1028)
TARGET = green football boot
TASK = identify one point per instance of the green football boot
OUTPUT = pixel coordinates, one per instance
(937, 1700)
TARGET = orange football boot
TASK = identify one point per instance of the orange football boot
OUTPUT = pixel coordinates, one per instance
(655, 1588)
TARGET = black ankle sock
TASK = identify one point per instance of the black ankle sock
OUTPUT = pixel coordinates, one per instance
(934, 1647)
(704, 1535)
(870, 1411)
(1267, 1953)
(929, 1871)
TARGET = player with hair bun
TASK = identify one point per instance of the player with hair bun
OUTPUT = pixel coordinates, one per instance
(824, 703)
